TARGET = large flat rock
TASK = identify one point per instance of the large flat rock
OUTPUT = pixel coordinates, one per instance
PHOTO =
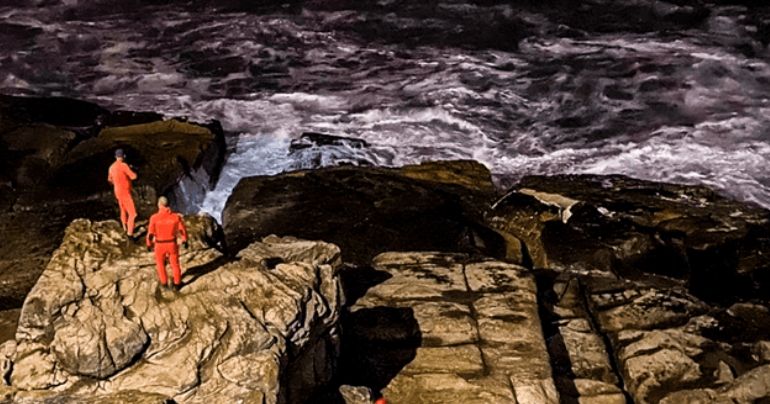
(441, 327)
(260, 327)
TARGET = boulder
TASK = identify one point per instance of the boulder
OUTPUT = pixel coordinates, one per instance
(58, 151)
(433, 206)
(97, 324)
(633, 228)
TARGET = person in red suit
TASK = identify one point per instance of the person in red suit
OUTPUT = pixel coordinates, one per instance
(164, 229)
(120, 176)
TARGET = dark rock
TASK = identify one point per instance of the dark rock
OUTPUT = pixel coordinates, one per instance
(58, 111)
(57, 152)
(634, 228)
(125, 118)
(312, 139)
(435, 207)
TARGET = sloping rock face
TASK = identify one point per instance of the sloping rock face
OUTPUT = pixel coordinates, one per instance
(260, 327)
(366, 211)
(441, 328)
(56, 154)
(633, 228)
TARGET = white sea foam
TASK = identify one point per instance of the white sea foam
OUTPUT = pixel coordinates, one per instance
(689, 109)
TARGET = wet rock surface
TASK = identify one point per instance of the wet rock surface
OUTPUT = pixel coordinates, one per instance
(366, 211)
(56, 154)
(635, 228)
(98, 327)
(313, 139)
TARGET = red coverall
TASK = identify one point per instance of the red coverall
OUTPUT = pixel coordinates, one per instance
(121, 175)
(164, 228)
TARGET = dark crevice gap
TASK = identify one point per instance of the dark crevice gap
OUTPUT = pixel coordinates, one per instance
(561, 365)
(583, 294)
(475, 317)
(376, 342)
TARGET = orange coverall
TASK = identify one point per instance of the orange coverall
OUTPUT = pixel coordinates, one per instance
(121, 175)
(164, 228)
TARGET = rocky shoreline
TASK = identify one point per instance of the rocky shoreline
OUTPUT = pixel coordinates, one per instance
(55, 153)
(422, 283)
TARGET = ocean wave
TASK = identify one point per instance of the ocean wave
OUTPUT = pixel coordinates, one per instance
(684, 106)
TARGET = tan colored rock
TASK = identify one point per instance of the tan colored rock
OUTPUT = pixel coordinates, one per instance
(420, 279)
(698, 396)
(750, 386)
(461, 359)
(447, 388)
(724, 374)
(356, 394)
(494, 276)
(597, 392)
(762, 350)
(98, 325)
(586, 351)
(645, 310)
(665, 367)
(458, 330)
(535, 391)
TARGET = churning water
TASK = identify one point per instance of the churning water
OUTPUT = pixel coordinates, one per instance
(524, 90)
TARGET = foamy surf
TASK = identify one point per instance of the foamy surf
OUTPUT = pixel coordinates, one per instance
(687, 106)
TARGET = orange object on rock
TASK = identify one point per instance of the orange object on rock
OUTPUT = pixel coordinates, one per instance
(165, 226)
(380, 400)
(121, 175)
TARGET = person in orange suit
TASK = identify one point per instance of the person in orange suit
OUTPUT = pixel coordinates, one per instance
(120, 176)
(165, 226)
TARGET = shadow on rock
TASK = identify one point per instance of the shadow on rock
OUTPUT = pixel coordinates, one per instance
(378, 343)
(196, 272)
(357, 280)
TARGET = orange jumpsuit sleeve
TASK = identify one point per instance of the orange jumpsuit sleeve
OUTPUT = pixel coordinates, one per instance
(129, 172)
(181, 229)
(151, 231)
(109, 175)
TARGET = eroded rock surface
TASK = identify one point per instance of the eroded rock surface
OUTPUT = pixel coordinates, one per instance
(633, 228)
(366, 211)
(438, 328)
(56, 153)
(260, 327)
(671, 347)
